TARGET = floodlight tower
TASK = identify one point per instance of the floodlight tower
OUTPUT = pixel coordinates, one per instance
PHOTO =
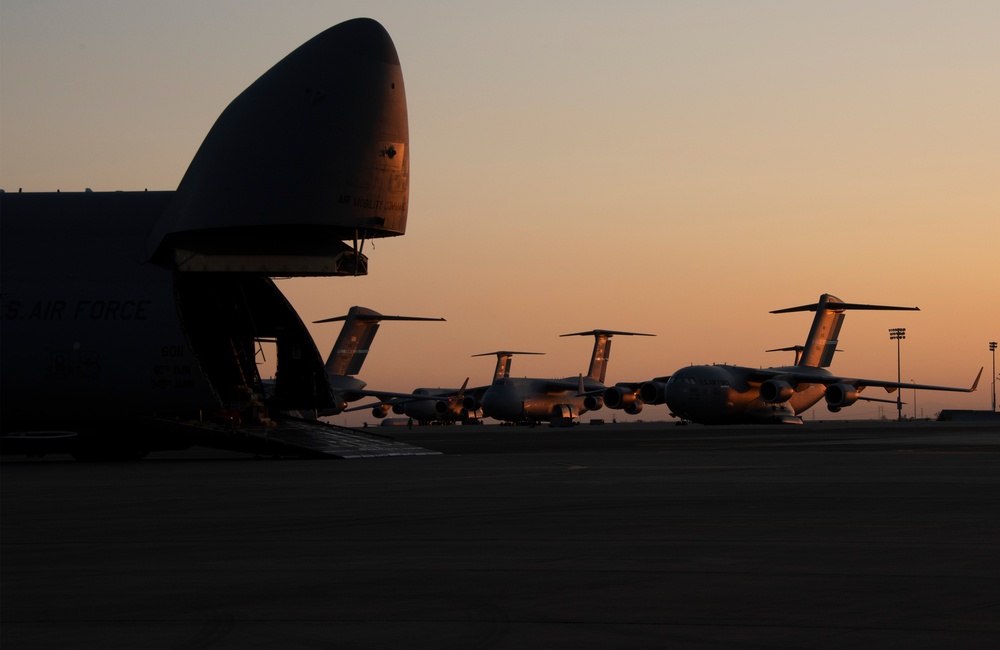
(897, 334)
(993, 349)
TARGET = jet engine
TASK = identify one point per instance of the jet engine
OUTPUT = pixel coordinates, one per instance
(399, 408)
(454, 411)
(653, 392)
(775, 391)
(840, 395)
(471, 403)
(619, 397)
(443, 408)
(593, 402)
(381, 410)
(338, 406)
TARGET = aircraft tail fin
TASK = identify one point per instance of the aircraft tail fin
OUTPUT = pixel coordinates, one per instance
(602, 350)
(356, 336)
(825, 331)
(502, 369)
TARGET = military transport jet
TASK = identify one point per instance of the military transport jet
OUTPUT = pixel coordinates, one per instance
(349, 353)
(724, 394)
(127, 313)
(429, 405)
(557, 401)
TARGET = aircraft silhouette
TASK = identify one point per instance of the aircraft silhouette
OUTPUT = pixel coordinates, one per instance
(557, 401)
(131, 319)
(725, 394)
(445, 405)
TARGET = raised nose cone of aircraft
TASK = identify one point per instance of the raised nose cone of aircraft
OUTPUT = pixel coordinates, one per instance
(316, 151)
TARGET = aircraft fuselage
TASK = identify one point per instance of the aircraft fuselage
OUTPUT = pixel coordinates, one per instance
(437, 410)
(123, 307)
(94, 335)
(532, 400)
(722, 394)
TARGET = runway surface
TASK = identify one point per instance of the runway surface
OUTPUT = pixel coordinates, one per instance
(615, 536)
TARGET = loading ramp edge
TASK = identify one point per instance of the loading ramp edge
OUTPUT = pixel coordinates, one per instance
(290, 436)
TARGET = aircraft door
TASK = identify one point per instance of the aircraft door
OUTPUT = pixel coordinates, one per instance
(223, 315)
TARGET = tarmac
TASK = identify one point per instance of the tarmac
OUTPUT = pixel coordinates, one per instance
(826, 535)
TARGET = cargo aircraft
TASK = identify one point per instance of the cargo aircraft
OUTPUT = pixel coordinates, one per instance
(560, 402)
(131, 319)
(349, 353)
(444, 405)
(724, 394)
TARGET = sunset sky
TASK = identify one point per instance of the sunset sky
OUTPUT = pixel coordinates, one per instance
(677, 168)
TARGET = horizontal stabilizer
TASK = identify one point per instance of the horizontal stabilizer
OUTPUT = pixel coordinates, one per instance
(837, 305)
(356, 336)
(376, 318)
(607, 333)
(602, 350)
(502, 369)
(821, 343)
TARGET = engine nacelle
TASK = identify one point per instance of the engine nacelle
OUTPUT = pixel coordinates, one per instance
(563, 415)
(452, 409)
(776, 391)
(338, 406)
(470, 415)
(634, 407)
(840, 395)
(471, 403)
(381, 410)
(399, 408)
(619, 397)
(593, 402)
(653, 392)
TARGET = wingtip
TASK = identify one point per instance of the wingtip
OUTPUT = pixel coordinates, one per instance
(975, 384)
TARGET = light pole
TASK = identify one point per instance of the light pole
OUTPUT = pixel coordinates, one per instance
(993, 349)
(914, 400)
(897, 334)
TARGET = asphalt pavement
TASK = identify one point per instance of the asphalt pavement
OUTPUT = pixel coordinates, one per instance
(618, 536)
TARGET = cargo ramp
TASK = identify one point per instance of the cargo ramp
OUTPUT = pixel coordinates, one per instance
(290, 436)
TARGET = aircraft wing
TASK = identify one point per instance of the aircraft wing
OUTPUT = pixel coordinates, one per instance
(564, 385)
(884, 401)
(387, 397)
(828, 379)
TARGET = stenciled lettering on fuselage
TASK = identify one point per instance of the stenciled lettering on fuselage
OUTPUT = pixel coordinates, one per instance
(76, 310)
(373, 204)
(173, 373)
(170, 370)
